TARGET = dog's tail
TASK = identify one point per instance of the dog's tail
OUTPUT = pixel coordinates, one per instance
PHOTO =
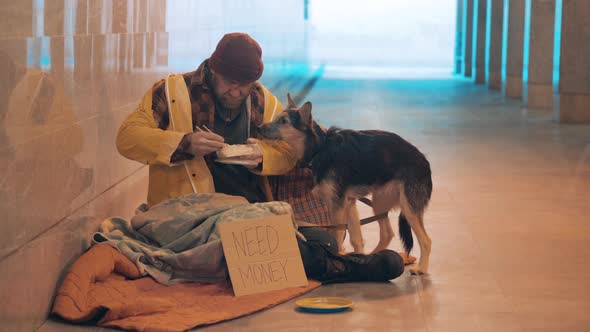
(405, 233)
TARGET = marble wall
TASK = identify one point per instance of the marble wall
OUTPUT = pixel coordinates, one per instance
(71, 71)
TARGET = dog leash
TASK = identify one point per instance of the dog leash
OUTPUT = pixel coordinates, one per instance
(373, 218)
(364, 221)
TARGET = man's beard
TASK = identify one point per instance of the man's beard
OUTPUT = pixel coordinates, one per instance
(231, 103)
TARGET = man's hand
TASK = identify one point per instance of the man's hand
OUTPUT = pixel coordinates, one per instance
(202, 143)
(254, 159)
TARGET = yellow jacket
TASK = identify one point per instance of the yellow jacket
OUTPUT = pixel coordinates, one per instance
(140, 139)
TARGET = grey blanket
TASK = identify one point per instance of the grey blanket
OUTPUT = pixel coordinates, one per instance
(177, 240)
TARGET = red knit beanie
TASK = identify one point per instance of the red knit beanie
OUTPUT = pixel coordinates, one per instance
(237, 57)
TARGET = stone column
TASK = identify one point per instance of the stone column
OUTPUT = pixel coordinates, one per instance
(494, 33)
(574, 68)
(121, 16)
(82, 59)
(162, 49)
(81, 9)
(467, 37)
(539, 85)
(514, 48)
(96, 17)
(140, 12)
(158, 25)
(479, 46)
(54, 13)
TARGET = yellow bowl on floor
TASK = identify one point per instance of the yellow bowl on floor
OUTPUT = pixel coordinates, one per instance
(324, 304)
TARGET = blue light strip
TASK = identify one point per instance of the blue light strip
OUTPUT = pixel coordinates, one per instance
(525, 51)
(488, 39)
(464, 37)
(504, 39)
(527, 41)
(557, 44)
(45, 54)
(458, 58)
(474, 40)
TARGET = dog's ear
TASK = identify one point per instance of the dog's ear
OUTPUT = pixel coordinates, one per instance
(290, 102)
(305, 113)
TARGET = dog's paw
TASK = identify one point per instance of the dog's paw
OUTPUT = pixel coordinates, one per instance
(416, 270)
(408, 259)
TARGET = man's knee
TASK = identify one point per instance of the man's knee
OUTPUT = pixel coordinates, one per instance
(316, 235)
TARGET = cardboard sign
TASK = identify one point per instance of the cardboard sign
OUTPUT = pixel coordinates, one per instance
(262, 254)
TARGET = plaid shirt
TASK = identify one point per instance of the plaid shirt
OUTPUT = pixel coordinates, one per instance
(295, 188)
(203, 107)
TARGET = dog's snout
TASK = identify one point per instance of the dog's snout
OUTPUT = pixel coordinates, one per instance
(263, 130)
(268, 131)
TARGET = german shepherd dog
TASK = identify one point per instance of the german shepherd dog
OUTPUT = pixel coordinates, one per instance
(349, 164)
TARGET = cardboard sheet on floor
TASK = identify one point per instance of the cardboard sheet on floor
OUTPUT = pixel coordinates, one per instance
(103, 284)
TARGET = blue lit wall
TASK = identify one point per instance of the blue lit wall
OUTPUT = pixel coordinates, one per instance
(401, 36)
(377, 38)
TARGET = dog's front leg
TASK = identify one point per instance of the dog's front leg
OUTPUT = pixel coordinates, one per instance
(326, 191)
(337, 215)
(337, 207)
(353, 223)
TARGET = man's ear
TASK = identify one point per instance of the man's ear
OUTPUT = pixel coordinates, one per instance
(305, 113)
(290, 102)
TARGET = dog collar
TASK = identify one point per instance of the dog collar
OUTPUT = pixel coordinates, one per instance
(310, 162)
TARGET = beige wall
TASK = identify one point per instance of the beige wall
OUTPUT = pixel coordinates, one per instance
(68, 79)
(71, 70)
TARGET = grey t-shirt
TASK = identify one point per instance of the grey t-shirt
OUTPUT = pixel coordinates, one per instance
(234, 179)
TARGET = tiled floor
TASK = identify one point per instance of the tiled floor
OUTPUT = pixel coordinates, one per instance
(509, 217)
